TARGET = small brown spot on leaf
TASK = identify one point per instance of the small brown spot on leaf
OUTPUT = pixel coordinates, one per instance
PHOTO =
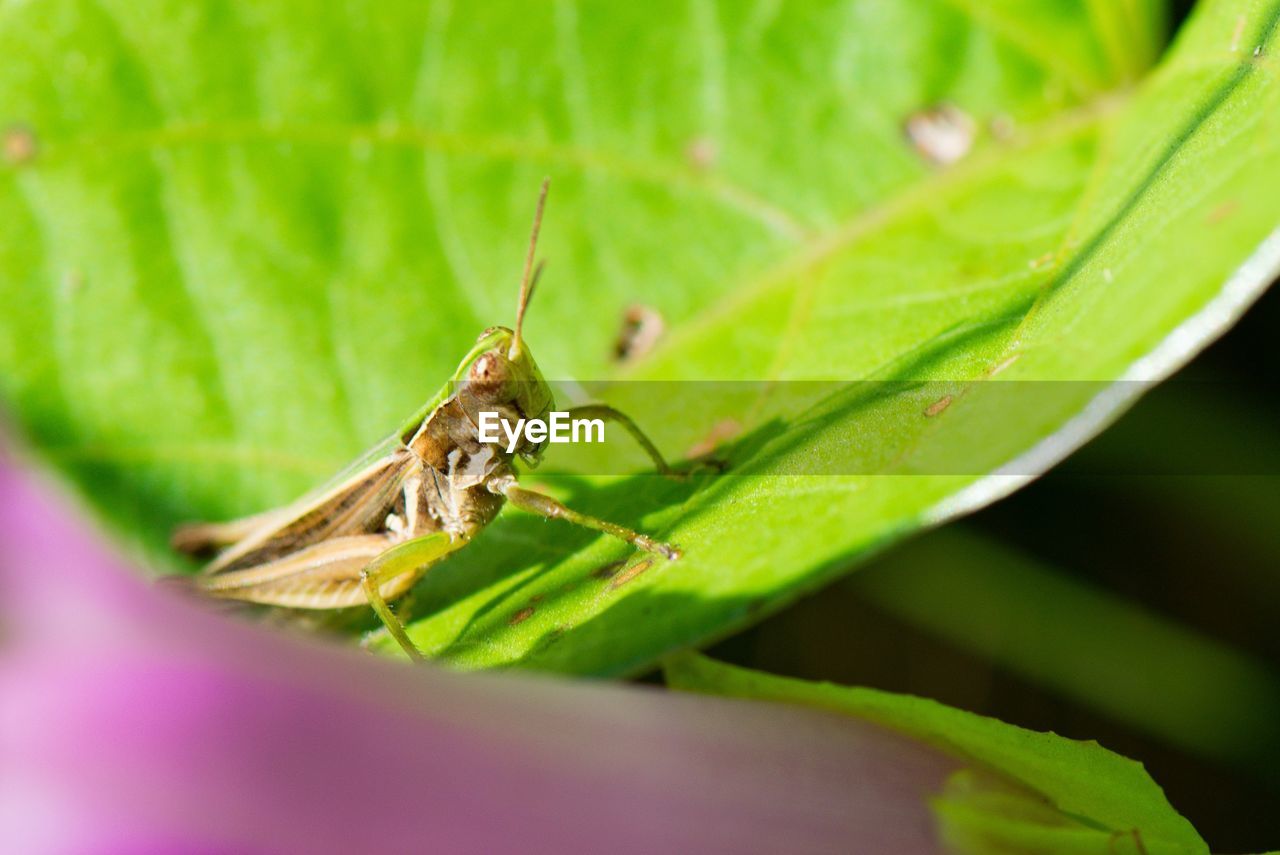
(19, 144)
(72, 283)
(941, 134)
(1221, 212)
(536, 598)
(1042, 261)
(702, 153)
(631, 572)
(521, 616)
(1005, 364)
(642, 326)
(722, 430)
(1236, 34)
(607, 571)
(1134, 834)
(938, 406)
(1003, 127)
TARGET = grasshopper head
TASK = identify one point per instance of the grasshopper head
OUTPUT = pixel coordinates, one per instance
(509, 383)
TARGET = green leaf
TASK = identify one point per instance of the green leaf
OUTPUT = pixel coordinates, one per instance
(243, 241)
(978, 817)
(1082, 780)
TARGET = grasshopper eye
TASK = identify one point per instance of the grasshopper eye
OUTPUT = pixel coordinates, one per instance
(489, 372)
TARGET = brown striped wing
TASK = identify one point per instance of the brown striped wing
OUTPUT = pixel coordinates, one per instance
(357, 503)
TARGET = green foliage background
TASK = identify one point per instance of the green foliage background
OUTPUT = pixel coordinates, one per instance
(242, 241)
(249, 239)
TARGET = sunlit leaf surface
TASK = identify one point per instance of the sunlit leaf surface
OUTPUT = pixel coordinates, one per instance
(242, 241)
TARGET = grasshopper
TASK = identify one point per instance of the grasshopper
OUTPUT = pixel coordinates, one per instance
(414, 499)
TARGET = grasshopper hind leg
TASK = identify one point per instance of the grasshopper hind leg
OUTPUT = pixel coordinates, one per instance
(339, 573)
(412, 558)
(322, 576)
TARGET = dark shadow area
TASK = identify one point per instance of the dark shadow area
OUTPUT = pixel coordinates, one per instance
(1174, 512)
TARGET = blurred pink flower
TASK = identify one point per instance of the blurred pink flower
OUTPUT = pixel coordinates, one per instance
(132, 720)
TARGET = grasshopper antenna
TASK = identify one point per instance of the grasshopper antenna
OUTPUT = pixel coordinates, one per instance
(530, 279)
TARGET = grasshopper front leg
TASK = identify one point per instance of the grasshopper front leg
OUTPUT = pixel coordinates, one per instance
(543, 505)
(606, 413)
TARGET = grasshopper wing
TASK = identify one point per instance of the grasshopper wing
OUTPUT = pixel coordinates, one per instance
(356, 501)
